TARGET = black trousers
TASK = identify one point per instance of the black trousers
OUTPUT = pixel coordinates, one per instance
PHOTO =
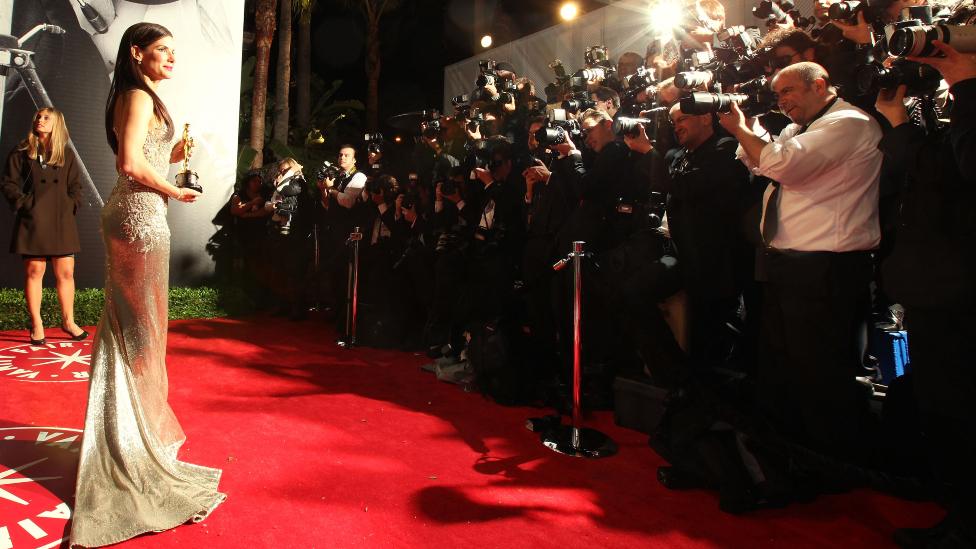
(944, 378)
(813, 306)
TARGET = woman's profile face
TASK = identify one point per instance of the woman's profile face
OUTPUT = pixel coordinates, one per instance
(159, 59)
(44, 122)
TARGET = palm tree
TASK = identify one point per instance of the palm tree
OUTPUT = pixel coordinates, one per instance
(265, 23)
(303, 68)
(283, 78)
(373, 11)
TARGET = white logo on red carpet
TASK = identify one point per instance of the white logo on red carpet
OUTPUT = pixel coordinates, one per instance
(56, 362)
(37, 472)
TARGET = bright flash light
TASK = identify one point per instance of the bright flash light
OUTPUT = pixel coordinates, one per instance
(569, 11)
(665, 17)
(398, 139)
(486, 41)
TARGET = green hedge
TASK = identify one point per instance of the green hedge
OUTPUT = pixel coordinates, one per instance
(203, 302)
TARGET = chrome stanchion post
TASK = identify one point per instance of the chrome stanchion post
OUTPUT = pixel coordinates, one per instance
(575, 440)
(352, 290)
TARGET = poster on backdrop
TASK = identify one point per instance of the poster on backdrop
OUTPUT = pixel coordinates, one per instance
(69, 60)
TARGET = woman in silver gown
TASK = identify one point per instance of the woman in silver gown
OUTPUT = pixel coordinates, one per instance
(129, 479)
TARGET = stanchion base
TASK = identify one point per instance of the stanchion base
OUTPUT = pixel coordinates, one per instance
(592, 443)
(345, 343)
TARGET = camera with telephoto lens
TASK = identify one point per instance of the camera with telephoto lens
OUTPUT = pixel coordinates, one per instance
(753, 97)
(284, 201)
(625, 126)
(916, 40)
(555, 132)
(690, 80)
(919, 79)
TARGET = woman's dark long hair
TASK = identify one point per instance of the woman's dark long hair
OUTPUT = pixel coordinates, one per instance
(129, 76)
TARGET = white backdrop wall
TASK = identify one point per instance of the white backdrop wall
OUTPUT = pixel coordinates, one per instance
(75, 69)
(621, 26)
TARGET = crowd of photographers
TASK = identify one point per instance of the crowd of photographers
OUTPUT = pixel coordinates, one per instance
(746, 202)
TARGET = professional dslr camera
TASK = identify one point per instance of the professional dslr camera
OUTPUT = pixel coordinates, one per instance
(641, 82)
(488, 76)
(736, 62)
(913, 36)
(556, 129)
(630, 127)
(597, 68)
(753, 97)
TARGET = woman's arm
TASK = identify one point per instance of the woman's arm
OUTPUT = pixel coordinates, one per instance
(135, 116)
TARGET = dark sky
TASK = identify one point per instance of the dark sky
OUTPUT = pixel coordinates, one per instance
(417, 39)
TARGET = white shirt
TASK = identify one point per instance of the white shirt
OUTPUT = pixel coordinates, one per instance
(828, 176)
(353, 191)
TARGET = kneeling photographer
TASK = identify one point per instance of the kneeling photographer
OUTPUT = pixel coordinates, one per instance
(931, 271)
(289, 238)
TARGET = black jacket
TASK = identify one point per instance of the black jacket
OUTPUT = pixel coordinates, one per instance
(709, 191)
(933, 263)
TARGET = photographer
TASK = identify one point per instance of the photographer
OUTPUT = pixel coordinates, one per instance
(289, 238)
(935, 222)
(709, 194)
(247, 206)
(819, 224)
(607, 189)
(342, 209)
(606, 100)
(840, 60)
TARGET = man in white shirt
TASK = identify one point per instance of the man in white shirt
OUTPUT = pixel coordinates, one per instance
(819, 225)
(352, 191)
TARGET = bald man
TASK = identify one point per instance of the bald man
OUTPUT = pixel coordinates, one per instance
(819, 227)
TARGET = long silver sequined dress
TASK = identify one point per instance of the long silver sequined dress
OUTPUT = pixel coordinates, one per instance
(129, 480)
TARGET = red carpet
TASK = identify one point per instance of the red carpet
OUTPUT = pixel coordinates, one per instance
(325, 447)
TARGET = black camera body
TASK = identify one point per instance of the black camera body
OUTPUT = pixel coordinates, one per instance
(328, 170)
(555, 132)
(919, 79)
(754, 97)
(846, 11)
(488, 76)
(579, 101)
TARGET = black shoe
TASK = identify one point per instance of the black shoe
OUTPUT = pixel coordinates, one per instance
(30, 335)
(78, 337)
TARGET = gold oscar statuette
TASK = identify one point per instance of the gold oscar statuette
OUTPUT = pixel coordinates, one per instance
(188, 178)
